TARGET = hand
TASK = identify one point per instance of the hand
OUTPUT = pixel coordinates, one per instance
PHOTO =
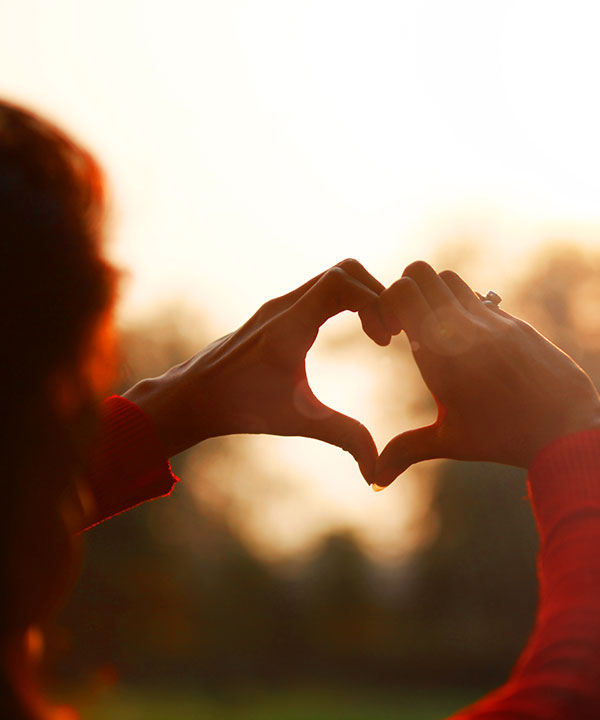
(503, 391)
(254, 380)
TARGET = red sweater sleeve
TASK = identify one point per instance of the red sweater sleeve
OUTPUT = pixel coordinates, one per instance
(558, 674)
(128, 464)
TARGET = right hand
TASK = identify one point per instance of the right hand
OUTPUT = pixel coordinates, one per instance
(503, 390)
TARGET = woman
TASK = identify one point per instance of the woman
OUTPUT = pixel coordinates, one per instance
(70, 463)
(57, 293)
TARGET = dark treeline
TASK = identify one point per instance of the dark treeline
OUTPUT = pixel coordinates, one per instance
(160, 607)
(170, 594)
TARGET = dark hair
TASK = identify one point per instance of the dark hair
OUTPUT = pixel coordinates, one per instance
(54, 288)
(53, 278)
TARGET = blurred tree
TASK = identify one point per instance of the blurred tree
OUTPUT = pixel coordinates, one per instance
(476, 589)
(560, 296)
(171, 593)
(337, 596)
(168, 589)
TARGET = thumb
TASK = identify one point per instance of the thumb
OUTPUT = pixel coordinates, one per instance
(404, 450)
(347, 433)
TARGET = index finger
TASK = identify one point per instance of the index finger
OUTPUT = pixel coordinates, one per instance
(403, 307)
(334, 292)
(369, 314)
(370, 317)
(433, 288)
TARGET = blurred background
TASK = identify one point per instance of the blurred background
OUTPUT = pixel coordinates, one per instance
(248, 145)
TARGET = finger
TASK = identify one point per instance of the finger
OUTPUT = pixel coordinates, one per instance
(470, 300)
(347, 433)
(403, 451)
(349, 265)
(280, 304)
(433, 288)
(491, 309)
(463, 293)
(369, 315)
(334, 292)
(371, 320)
(358, 271)
(403, 307)
(373, 324)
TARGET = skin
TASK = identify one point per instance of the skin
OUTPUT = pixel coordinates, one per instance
(254, 379)
(503, 391)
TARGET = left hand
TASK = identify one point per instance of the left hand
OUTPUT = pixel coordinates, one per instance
(254, 379)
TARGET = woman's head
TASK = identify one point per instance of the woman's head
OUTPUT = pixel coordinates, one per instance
(55, 291)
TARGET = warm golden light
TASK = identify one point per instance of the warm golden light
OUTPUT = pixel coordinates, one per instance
(250, 145)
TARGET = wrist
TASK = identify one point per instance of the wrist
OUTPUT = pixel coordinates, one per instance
(167, 408)
(564, 479)
(574, 424)
(580, 418)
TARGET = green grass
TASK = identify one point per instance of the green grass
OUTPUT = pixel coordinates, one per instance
(295, 704)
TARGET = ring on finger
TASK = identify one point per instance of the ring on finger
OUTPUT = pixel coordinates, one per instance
(492, 299)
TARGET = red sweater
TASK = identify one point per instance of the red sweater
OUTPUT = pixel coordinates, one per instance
(558, 674)
(128, 464)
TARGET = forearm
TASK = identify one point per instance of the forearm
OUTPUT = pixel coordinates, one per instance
(558, 673)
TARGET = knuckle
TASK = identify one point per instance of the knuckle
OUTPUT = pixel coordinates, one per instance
(268, 309)
(350, 264)
(333, 288)
(419, 270)
(523, 326)
(335, 275)
(449, 276)
(503, 329)
(402, 287)
(261, 314)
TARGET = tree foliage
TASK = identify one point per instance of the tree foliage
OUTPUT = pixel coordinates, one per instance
(169, 592)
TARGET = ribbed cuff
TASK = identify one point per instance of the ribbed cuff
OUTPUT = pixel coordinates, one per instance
(129, 464)
(564, 478)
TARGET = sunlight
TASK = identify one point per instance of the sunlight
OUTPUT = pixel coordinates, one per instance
(252, 144)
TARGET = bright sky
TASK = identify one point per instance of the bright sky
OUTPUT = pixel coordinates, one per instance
(252, 143)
